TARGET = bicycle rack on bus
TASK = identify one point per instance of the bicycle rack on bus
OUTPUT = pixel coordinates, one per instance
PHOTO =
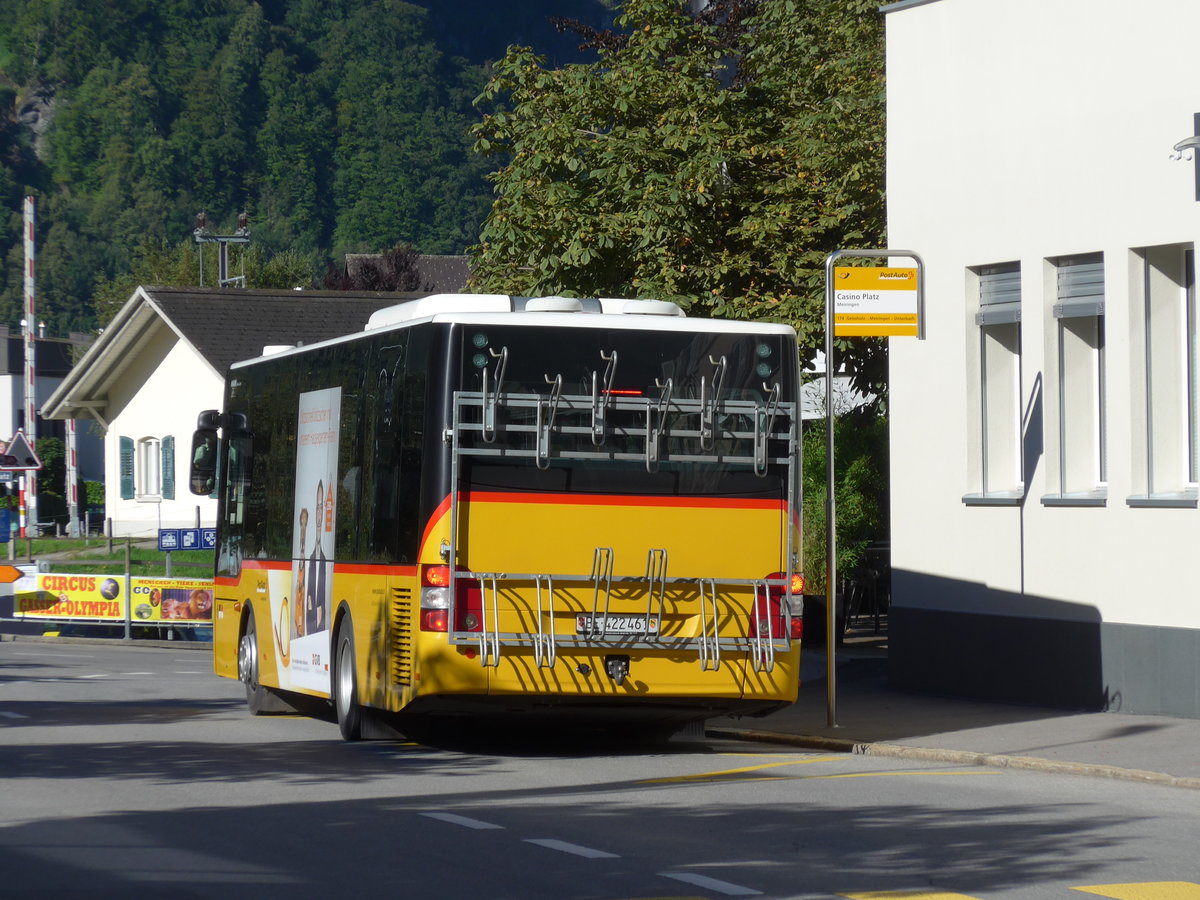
(710, 642)
(602, 427)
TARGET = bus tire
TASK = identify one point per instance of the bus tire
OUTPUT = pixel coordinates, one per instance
(260, 700)
(345, 685)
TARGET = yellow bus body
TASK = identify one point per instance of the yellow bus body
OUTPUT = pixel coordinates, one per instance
(400, 667)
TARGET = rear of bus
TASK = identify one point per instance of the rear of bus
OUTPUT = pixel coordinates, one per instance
(616, 532)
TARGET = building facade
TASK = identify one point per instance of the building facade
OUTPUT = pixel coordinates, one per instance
(1046, 434)
(161, 361)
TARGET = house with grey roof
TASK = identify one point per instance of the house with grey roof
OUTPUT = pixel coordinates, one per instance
(161, 361)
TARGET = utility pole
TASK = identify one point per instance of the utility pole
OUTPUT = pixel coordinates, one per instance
(201, 235)
(29, 479)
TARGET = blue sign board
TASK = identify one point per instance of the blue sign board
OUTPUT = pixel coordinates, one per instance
(187, 539)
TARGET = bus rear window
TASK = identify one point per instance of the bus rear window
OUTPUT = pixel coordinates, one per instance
(650, 382)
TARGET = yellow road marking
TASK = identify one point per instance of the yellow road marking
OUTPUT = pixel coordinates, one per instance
(746, 770)
(910, 772)
(725, 773)
(1146, 890)
(897, 895)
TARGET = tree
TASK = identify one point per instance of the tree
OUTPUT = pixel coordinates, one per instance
(712, 160)
(860, 490)
(394, 270)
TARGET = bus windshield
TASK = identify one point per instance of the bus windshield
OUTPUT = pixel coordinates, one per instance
(647, 380)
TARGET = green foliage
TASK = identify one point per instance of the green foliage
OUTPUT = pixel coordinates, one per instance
(711, 165)
(860, 490)
(159, 264)
(51, 480)
(94, 492)
(337, 126)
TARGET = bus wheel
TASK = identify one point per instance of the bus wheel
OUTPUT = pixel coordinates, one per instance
(345, 686)
(258, 698)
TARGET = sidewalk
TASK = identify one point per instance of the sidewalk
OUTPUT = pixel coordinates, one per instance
(875, 719)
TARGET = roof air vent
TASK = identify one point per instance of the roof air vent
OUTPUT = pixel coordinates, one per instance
(651, 308)
(554, 304)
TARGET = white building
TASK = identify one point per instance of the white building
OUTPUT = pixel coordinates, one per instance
(161, 361)
(1046, 435)
(53, 359)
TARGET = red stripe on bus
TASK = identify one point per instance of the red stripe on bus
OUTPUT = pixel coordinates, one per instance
(600, 500)
(373, 569)
(597, 500)
(619, 500)
(285, 565)
(276, 565)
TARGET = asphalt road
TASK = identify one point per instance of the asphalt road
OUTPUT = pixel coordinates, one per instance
(134, 772)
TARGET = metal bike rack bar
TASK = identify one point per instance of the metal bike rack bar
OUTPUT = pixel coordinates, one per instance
(600, 401)
(710, 641)
(762, 648)
(489, 640)
(656, 578)
(602, 573)
(708, 405)
(544, 648)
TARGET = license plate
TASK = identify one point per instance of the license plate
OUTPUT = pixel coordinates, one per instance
(619, 625)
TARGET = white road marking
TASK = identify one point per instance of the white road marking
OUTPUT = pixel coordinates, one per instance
(139, 673)
(575, 849)
(12, 715)
(712, 884)
(460, 820)
(97, 675)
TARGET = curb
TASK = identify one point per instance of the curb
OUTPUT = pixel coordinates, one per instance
(112, 642)
(958, 757)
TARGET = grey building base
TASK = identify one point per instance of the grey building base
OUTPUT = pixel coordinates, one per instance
(1091, 666)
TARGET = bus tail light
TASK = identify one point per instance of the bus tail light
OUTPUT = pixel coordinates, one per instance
(435, 601)
(768, 618)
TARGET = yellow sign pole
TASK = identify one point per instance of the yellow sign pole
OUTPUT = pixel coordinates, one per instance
(859, 302)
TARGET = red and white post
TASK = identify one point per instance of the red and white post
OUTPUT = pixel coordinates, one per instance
(30, 478)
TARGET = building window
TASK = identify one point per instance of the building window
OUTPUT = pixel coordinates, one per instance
(1082, 437)
(1168, 366)
(147, 468)
(998, 322)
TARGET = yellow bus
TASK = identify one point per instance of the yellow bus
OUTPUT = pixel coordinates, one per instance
(492, 506)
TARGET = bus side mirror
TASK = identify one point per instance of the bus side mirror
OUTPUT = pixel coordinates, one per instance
(203, 474)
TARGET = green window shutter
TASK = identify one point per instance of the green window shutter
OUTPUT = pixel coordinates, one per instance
(126, 468)
(167, 455)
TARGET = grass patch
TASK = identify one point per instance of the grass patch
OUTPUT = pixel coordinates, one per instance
(92, 556)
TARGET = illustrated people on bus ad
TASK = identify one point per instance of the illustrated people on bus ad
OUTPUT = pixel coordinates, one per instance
(301, 564)
(315, 598)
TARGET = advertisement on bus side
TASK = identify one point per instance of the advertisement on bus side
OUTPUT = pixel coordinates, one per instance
(300, 607)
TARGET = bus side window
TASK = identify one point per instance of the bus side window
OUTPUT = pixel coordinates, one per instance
(236, 486)
(381, 488)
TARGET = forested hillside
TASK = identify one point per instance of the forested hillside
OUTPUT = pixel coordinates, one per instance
(339, 126)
